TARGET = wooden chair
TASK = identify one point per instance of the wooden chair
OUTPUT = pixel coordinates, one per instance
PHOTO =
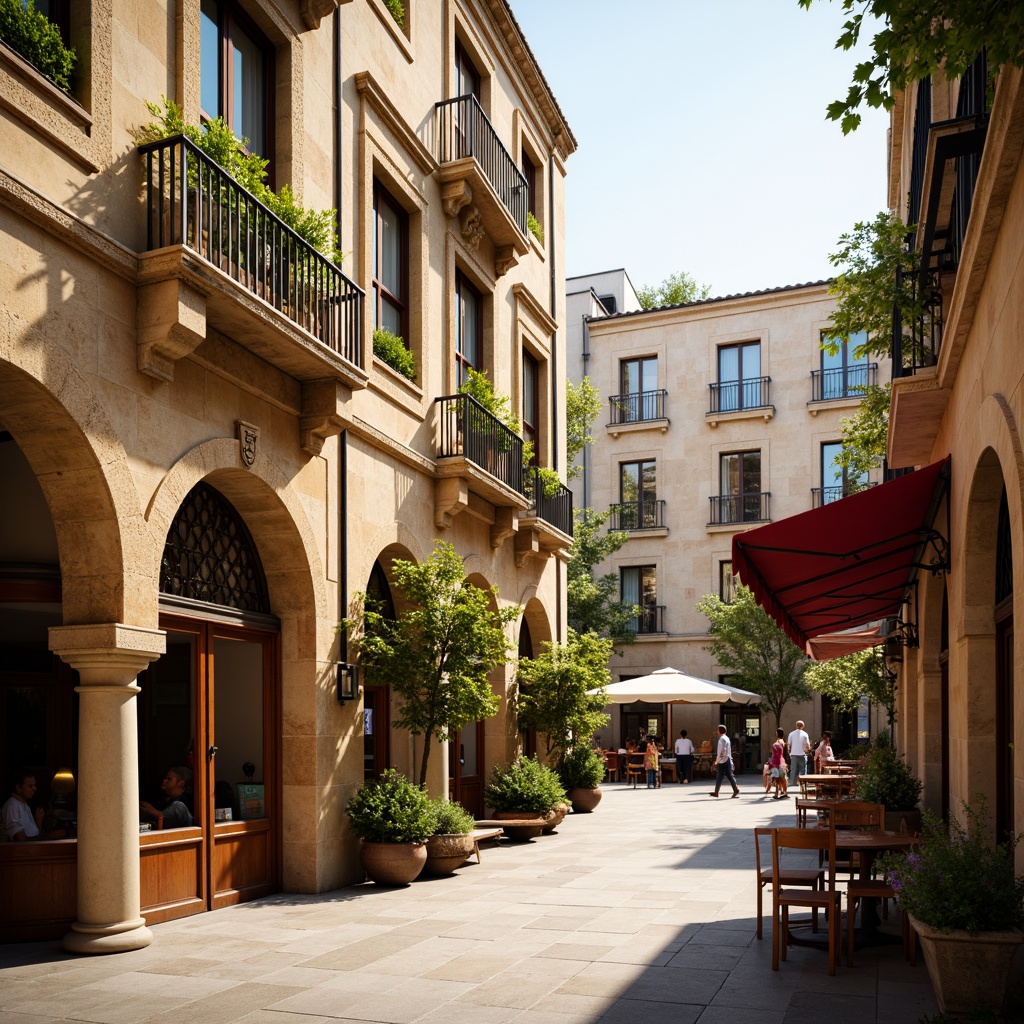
(826, 898)
(810, 877)
(611, 765)
(856, 814)
(874, 888)
(635, 768)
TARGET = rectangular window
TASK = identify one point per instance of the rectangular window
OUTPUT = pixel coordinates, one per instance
(468, 329)
(640, 587)
(844, 374)
(836, 481)
(530, 174)
(637, 495)
(59, 12)
(390, 264)
(726, 582)
(739, 377)
(740, 488)
(531, 402)
(639, 395)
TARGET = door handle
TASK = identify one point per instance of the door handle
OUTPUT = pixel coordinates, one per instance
(211, 752)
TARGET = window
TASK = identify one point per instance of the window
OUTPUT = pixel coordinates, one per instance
(609, 302)
(390, 264)
(836, 481)
(844, 374)
(467, 80)
(637, 494)
(640, 587)
(236, 73)
(530, 174)
(468, 329)
(59, 12)
(467, 83)
(639, 397)
(739, 378)
(726, 582)
(531, 402)
(740, 487)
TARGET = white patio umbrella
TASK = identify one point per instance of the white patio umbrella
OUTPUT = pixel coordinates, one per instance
(670, 686)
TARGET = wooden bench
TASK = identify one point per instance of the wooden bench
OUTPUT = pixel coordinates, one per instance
(482, 835)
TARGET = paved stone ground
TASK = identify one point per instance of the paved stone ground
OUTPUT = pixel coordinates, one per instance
(641, 911)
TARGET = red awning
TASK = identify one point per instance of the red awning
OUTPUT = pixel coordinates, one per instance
(847, 563)
(834, 645)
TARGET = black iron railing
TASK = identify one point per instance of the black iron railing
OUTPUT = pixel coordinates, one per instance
(463, 130)
(919, 152)
(972, 101)
(466, 428)
(739, 508)
(637, 515)
(842, 382)
(736, 395)
(551, 503)
(650, 620)
(826, 495)
(192, 201)
(637, 407)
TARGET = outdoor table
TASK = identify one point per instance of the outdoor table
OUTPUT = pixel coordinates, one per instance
(869, 845)
(825, 784)
(703, 762)
(668, 767)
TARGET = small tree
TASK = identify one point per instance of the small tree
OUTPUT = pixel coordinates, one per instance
(865, 435)
(553, 693)
(847, 679)
(593, 604)
(437, 654)
(582, 405)
(759, 654)
(675, 290)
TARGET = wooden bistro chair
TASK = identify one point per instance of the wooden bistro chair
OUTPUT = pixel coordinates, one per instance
(635, 768)
(611, 765)
(827, 898)
(812, 878)
(861, 815)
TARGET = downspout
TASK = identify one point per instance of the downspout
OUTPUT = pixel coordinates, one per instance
(343, 437)
(338, 183)
(586, 447)
(554, 366)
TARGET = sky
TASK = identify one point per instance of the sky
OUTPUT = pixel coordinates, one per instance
(703, 144)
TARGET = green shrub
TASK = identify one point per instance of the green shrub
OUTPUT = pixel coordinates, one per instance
(451, 819)
(397, 10)
(524, 785)
(534, 228)
(391, 809)
(886, 778)
(581, 768)
(38, 40)
(390, 349)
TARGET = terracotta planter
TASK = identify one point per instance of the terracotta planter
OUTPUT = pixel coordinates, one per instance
(969, 973)
(555, 818)
(584, 800)
(447, 852)
(520, 832)
(392, 863)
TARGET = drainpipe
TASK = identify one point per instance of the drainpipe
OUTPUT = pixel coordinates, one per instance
(586, 447)
(343, 541)
(338, 183)
(554, 365)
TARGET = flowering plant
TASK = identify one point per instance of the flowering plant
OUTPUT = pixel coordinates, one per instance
(957, 879)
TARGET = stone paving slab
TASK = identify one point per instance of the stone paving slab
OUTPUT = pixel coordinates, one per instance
(642, 910)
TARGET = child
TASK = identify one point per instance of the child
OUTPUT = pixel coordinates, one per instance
(651, 764)
(777, 765)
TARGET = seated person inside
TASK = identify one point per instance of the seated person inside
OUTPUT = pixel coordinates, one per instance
(20, 821)
(175, 812)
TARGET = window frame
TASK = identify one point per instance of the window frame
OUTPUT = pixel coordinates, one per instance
(742, 381)
(740, 496)
(381, 292)
(461, 362)
(847, 364)
(844, 478)
(531, 426)
(647, 587)
(727, 582)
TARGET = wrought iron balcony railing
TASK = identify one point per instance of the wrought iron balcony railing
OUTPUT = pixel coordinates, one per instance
(826, 495)
(736, 395)
(637, 407)
(841, 382)
(650, 620)
(553, 505)
(918, 343)
(469, 430)
(740, 508)
(637, 515)
(192, 201)
(463, 130)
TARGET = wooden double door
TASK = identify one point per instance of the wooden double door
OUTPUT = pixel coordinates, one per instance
(210, 704)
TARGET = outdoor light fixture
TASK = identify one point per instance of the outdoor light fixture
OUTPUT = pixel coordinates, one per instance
(61, 787)
(347, 682)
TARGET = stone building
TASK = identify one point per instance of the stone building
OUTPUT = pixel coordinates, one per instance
(202, 457)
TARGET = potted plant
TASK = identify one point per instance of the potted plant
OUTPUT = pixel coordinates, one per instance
(525, 789)
(886, 778)
(966, 904)
(451, 843)
(393, 818)
(580, 771)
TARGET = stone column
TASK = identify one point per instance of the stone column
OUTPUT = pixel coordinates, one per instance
(108, 658)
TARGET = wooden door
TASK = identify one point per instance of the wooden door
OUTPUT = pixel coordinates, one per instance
(466, 768)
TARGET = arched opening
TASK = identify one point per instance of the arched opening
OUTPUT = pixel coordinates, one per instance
(377, 698)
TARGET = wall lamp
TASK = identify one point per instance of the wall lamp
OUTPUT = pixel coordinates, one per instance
(346, 682)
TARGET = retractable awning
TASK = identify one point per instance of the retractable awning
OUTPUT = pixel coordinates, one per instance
(849, 562)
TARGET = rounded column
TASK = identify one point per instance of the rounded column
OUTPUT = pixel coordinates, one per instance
(108, 658)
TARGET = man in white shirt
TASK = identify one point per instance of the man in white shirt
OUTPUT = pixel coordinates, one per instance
(684, 758)
(799, 745)
(723, 763)
(20, 821)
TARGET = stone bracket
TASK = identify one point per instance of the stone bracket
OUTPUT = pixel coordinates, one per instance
(451, 496)
(527, 545)
(323, 413)
(170, 324)
(506, 523)
(455, 195)
(505, 258)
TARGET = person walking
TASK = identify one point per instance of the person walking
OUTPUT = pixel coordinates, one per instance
(777, 766)
(684, 758)
(723, 763)
(799, 745)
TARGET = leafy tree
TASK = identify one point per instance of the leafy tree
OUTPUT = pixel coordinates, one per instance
(582, 405)
(437, 654)
(758, 654)
(919, 38)
(865, 434)
(845, 680)
(675, 290)
(553, 691)
(593, 604)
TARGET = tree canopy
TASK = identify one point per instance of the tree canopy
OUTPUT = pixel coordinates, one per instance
(673, 291)
(582, 405)
(865, 435)
(845, 680)
(917, 38)
(758, 655)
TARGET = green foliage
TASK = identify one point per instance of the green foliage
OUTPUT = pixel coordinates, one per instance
(758, 654)
(451, 819)
(397, 11)
(582, 406)
(845, 680)
(885, 778)
(438, 653)
(390, 348)
(581, 768)
(675, 290)
(390, 809)
(38, 40)
(866, 434)
(917, 39)
(593, 605)
(533, 225)
(552, 691)
(956, 878)
(524, 785)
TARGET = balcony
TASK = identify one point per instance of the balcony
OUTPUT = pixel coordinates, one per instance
(480, 182)
(740, 399)
(638, 410)
(650, 620)
(727, 509)
(826, 495)
(842, 382)
(637, 515)
(546, 528)
(216, 254)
